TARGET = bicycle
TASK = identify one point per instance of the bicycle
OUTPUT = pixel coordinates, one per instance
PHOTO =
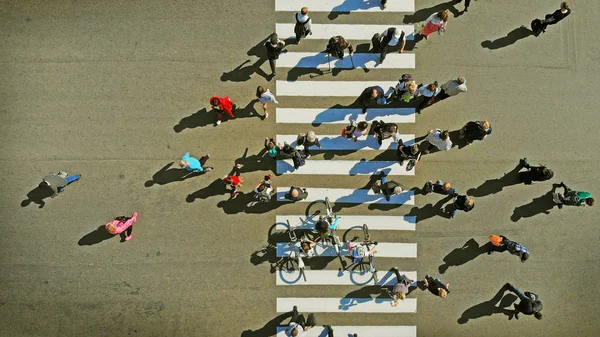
(362, 249)
(335, 239)
(296, 253)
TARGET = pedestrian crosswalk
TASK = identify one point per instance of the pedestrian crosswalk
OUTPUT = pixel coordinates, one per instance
(343, 115)
(355, 278)
(359, 60)
(348, 31)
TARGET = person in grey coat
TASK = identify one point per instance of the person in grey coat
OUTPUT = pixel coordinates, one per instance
(296, 194)
(452, 88)
(57, 182)
(308, 139)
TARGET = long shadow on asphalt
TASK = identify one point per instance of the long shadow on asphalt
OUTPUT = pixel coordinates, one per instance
(493, 186)
(510, 38)
(537, 206)
(459, 256)
(168, 175)
(95, 237)
(217, 187)
(244, 72)
(488, 308)
(429, 211)
(37, 196)
(270, 328)
(256, 162)
(204, 117)
(422, 14)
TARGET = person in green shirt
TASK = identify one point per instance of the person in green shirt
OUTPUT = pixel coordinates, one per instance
(575, 198)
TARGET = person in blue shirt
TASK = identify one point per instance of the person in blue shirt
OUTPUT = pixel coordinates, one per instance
(512, 247)
(324, 225)
(194, 165)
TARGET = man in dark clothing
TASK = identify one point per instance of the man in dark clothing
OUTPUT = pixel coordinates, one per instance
(336, 46)
(436, 286)
(274, 48)
(298, 325)
(303, 24)
(383, 42)
(475, 130)
(559, 14)
(463, 203)
(57, 182)
(388, 188)
(382, 130)
(308, 139)
(534, 173)
(530, 303)
(406, 152)
(440, 187)
(467, 4)
(296, 194)
(512, 247)
(371, 95)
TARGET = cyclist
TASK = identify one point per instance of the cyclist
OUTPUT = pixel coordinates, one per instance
(324, 225)
(358, 252)
(307, 248)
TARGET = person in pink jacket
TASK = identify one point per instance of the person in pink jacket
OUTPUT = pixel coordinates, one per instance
(123, 226)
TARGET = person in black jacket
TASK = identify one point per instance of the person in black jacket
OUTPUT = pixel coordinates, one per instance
(436, 287)
(370, 96)
(475, 130)
(336, 46)
(534, 173)
(274, 48)
(388, 188)
(382, 130)
(559, 14)
(383, 42)
(296, 194)
(303, 24)
(530, 303)
(463, 203)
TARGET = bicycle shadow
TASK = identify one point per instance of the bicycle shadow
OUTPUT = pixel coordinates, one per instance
(459, 256)
(488, 308)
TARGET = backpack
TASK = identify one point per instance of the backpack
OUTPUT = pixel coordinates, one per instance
(298, 160)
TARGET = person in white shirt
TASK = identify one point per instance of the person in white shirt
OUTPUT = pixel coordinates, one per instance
(438, 139)
(436, 22)
(391, 37)
(303, 24)
(428, 94)
(298, 325)
(265, 96)
(452, 88)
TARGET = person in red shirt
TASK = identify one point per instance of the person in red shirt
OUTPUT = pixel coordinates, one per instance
(222, 105)
(234, 180)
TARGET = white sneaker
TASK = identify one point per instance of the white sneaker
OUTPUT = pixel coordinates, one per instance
(266, 115)
(218, 122)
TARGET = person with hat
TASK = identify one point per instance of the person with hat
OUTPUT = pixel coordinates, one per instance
(452, 88)
(57, 182)
(274, 49)
(371, 95)
(303, 24)
(308, 139)
(296, 194)
(222, 105)
(389, 38)
(501, 244)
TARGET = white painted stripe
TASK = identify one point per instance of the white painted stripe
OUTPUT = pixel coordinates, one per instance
(345, 5)
(349, 305)
(343, 167)
(350, 196)
(334, 277)
(328, 88)
(343, 116)
(361, 60)
(349, 31)
(384, 249)
(337, 142)
(375, 223)
(360, 330)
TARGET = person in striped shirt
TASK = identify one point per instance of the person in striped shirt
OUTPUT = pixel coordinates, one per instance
(502, 243)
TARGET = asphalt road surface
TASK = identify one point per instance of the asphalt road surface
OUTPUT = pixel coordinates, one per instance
(117, 90)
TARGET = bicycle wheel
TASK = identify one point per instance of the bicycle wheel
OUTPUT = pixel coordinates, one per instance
(366, 232)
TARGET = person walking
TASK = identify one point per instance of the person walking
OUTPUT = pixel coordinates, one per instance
(501, 244)
(467, 4)
(272, 148)
(427, 93)
(222, 105)
(234, 180)
(370, 96)
(475, 130)
(534, 173)
(383, 43)
(192, 164)
(438, 139)
(308, 139)
(406, 89)
(452, 88)
(558, 15)
(123, 226)
(336, 46)
(530, 303)
(462, 202)
(303, 24)
(298, 324)
(575, 198)
(436, 22)
(440, 187)
(265, 96)
(436, 286)
(296, 194)
(274, 49)
(410, 153)
(355, 131)
(387, 188)
(401, 288)
(383, 130)
(57, 182)
(264, 190)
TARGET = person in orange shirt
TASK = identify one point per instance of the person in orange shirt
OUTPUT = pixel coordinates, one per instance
(234, 180)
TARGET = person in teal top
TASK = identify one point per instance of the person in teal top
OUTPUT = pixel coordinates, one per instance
(576, 198)
(194, 165)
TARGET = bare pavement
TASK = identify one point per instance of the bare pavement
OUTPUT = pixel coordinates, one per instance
(118, 90)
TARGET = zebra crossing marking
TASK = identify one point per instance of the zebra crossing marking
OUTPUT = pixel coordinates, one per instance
(343, 167)
(343, 115)
(347, 304)
(381, 222)
(359, 60)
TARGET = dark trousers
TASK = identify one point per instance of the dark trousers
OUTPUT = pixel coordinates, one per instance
(424, 103)
(126, 233)
(203, 160)
(519, 293)
(383, 2)
(299, 319)
(272, 63)
(442, 95)
(467, 2)
(401, 278)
